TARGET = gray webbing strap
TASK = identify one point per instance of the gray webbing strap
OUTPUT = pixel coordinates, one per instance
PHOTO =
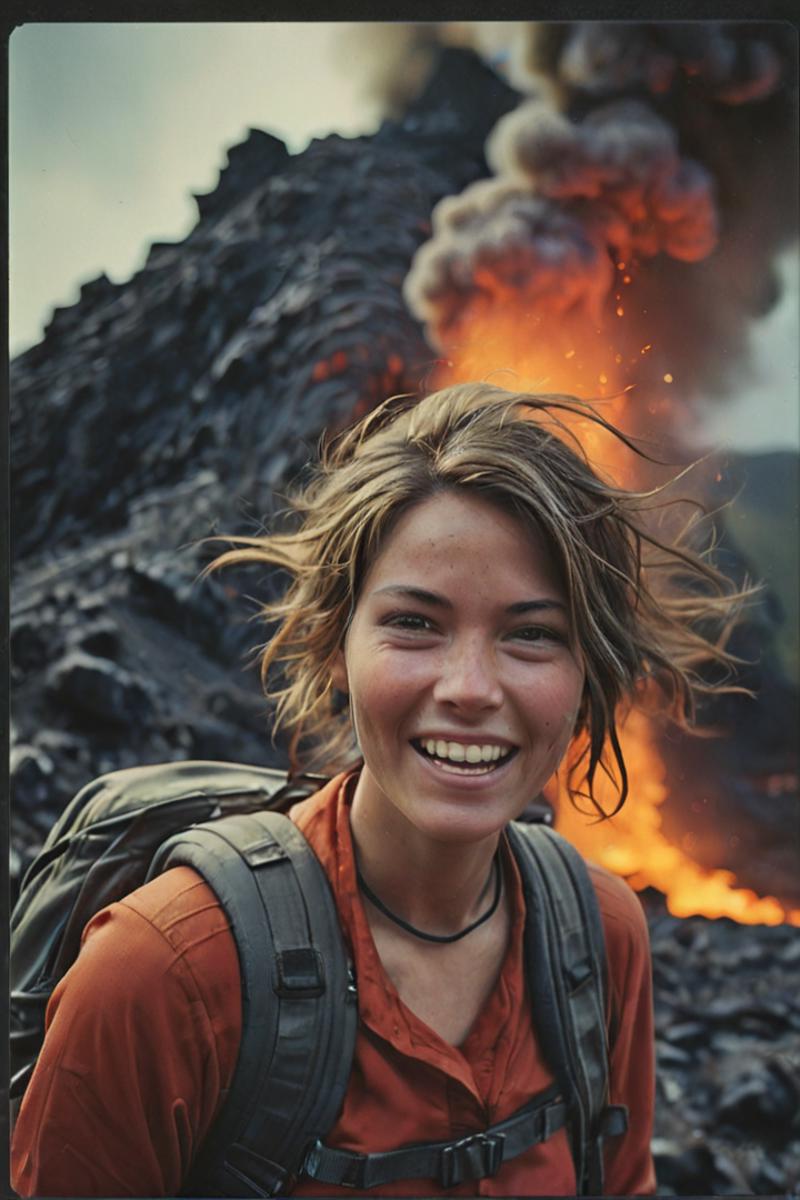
(566, 956)
(298, 999)
(477, 1156)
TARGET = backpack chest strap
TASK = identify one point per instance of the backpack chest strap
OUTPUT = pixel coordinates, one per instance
(476, 1156)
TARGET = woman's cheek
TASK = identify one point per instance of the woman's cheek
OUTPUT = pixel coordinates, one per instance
(563, 727)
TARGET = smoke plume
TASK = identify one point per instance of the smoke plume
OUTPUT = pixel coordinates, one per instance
(667, 146)
(566, 199)
(730, 63)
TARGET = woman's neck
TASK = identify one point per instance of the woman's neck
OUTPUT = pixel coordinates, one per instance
(439, 887)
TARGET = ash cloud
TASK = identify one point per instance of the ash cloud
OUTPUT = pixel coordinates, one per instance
(671, 144)
(624, 158)
(729, 62)
(567, 199)
(498, 240)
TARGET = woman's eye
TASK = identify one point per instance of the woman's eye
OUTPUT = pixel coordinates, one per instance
(412, 621)
(532, 634)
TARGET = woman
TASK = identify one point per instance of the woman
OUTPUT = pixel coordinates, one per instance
(470, 606)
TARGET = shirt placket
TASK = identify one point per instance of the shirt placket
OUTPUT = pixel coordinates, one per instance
(469, 1078)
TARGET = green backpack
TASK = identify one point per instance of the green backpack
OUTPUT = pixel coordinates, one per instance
(299, 998)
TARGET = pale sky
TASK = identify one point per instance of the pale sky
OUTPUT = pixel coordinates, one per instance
(113, 126)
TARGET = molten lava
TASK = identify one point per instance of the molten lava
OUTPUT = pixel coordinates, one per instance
(631, 844)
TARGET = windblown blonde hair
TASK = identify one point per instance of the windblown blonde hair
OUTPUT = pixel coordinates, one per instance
(643, 611)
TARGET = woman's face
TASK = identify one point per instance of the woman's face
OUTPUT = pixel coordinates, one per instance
(463, 686)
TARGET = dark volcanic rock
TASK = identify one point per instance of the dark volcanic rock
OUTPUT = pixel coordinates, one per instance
(728, 1063)
(33, 638)
(249, 163)
(100, 638)
(766, 1099)
(31, 772)
(687, 1034)
(98, 690)
(683, 1168)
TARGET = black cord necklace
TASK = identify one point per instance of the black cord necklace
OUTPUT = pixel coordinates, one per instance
(435, 937)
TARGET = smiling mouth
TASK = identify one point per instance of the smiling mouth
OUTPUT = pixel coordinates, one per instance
(458, 759)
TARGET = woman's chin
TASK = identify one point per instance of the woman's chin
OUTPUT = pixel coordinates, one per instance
(457, 818)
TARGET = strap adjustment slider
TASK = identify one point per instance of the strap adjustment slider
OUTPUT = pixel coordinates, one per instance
(478, 1156)
(351, 1167)
(301, 973)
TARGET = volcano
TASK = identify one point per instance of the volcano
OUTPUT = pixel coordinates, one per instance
(180, 404)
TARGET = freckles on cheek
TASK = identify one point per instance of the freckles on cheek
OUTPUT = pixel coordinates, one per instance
(561, 731)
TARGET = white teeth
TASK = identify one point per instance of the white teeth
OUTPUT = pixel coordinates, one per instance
(458, 752)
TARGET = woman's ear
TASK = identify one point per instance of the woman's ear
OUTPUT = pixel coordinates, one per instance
(339, 673)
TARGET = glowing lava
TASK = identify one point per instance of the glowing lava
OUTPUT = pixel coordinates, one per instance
(632, 844)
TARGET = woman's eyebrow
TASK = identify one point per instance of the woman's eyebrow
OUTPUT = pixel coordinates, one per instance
(414, 593)
(422, 596)
(526, 606)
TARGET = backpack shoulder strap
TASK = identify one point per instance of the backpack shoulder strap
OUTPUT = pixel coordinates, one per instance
(566, 965)
(299, 1009)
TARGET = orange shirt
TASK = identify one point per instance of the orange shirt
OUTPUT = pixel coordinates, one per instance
(143, 1033)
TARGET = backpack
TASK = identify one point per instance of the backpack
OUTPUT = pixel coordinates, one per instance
(299, 998)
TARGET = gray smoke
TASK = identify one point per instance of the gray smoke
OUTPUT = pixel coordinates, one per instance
(729, 63)
(497, 239)
(623, 157)
(566, 201)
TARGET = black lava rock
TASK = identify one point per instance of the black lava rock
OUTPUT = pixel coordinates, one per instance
(31, 772)
(768, 1099)
(98, 690)
(684, 1169)
(100, 638)
(31, 642)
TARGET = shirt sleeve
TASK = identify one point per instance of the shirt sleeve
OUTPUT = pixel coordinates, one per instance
(141, 1041)
(629, 1169)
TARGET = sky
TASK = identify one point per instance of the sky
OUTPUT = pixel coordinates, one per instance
(113, 126)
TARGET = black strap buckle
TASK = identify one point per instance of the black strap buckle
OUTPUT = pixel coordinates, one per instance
(613, 1121)
(351, 1171)
(353, 1176)
(301, 973)
(478, 1156)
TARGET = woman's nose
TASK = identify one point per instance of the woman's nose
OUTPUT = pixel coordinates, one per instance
(468, 678)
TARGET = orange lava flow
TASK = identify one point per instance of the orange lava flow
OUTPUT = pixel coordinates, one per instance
(574, 357)
(631, 844)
